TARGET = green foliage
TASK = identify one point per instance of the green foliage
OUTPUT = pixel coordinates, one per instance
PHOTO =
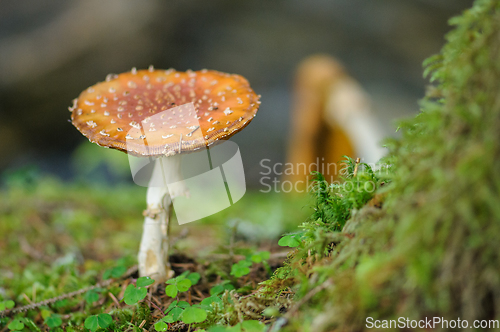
(90, 159)
(174, 311)
(53, 321)
(144, 282)
(193, 314)
(245, 326)
(221, 288)
(194, 277)
(118, 270)
(176, 285)
(101, 321)
(91, 296)
(114, 272)
(134, 294)
(260, 257)
(7, 305)
(182, 311)
(427, 245)
(211, 302)
(25, 177)
(241, 268)
(291, 240)
(334, 203)
(16, 325)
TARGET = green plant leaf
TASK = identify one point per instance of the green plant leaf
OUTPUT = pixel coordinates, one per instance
(218, 289)
(261, 256)
(104, 320)
(91, 296)
(184, 285)
(171, 281)
(7, 305)
(98, 321)
(171, 290)
(171, 306)
(144, 281)
(45, 313)
(235, 328)
(193, 315)
(289, 241)
(252, 326)
(133, 295)
(211, 300)
(118, 271)
(177, 279)
(174, 314)
(53, 320)
(16, 324)
(217, 329)
(183, 304)
(92, 323)
(61, 303)
(194, 277)
(115, 272)
(265, 255)
(241, 268)
(270, 312)
(161, 326)
(256, 258)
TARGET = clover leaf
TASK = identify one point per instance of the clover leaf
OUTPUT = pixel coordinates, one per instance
(144, 281)
(161, 326)
(289, 241)
(53, 321)
(221, 288)
(194, 277)
(115, 272)
(176, 285)
(16, 325)
(193, 315)
(245, 326)
(181, 310)
(91, 296)
(241, 268)
(98, 321)
(210, 302)
(252, 326)
(7, 305)
(260, 256)
(133, 295)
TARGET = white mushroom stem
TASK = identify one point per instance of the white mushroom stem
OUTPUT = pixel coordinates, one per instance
(163, 187)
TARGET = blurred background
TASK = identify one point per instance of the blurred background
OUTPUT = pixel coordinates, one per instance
(50, 51)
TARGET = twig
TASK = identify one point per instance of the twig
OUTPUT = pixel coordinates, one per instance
(115, 300)
(27, 298)
(102, 284)
(158, 308)
(356, 167)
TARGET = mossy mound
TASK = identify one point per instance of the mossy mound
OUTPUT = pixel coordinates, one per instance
(432, 248)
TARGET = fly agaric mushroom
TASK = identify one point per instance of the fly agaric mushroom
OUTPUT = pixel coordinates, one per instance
(162, 114)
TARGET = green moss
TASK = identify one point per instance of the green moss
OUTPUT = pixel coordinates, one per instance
(431, 250)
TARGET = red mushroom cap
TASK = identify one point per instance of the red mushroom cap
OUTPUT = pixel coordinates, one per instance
(164, 112)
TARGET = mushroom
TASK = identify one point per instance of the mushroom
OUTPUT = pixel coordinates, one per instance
(162, 114)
